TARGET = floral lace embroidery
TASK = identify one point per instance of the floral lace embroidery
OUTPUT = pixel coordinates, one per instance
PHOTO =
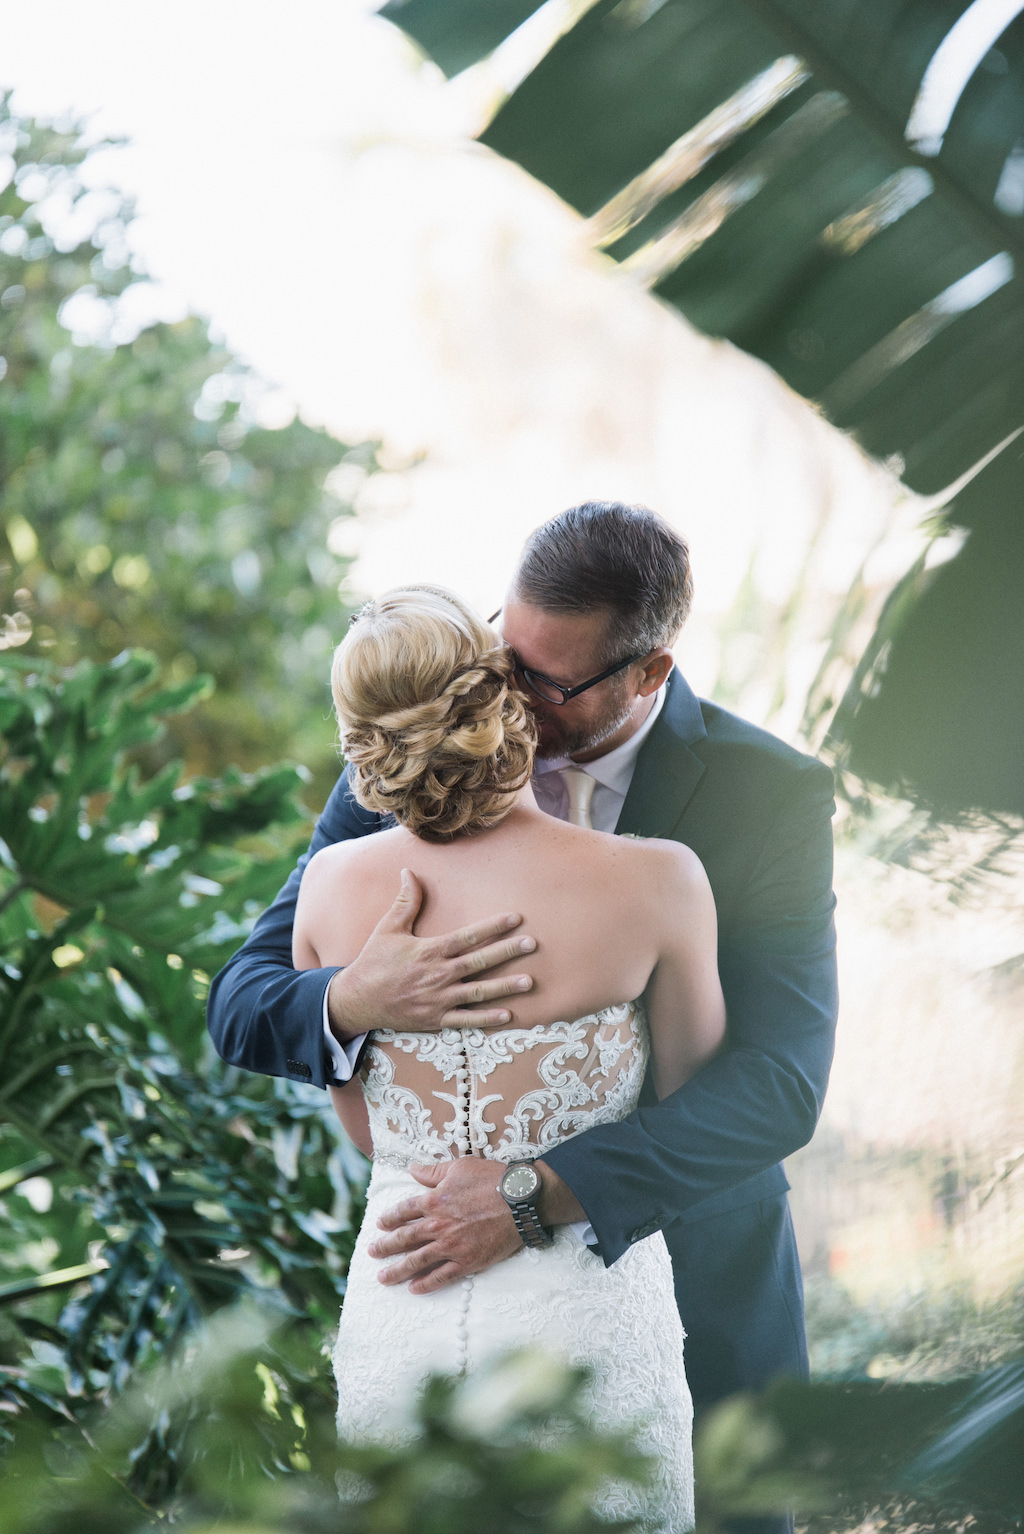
(559, 1079)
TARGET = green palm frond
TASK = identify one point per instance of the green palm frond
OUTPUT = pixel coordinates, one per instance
(839, 190)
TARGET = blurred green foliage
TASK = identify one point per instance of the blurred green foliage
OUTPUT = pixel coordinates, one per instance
(934, 709)
(766, 168)
(823, 1445)
(256, 1458)
(143, 1184)
(945, 1333)
(141, 503)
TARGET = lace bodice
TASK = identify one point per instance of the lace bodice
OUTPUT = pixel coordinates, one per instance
(504, 1093)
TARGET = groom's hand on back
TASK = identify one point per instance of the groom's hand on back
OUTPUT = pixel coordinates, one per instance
(399, 980)
(460, 1224)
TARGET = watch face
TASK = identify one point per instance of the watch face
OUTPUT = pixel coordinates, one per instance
(520, 1182)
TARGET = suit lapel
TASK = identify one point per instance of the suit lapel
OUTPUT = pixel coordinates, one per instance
(667, 770)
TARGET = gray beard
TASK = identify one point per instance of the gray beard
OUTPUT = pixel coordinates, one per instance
(585, 740)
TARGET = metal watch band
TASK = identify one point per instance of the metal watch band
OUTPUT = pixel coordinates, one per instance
(528, 1225)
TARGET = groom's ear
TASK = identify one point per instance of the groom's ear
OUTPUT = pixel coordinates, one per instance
(655, 669)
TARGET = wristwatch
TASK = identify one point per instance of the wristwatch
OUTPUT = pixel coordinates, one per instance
(519, 1187)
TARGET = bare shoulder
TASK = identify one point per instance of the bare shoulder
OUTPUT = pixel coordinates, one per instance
(668, 877)
(344, 889)
(359, 858)
(671, 862)
(328, 864)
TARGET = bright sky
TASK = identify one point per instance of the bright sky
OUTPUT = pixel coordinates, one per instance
(303, 178)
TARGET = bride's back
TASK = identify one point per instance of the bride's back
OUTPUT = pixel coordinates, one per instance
(589, 901)
(575, 1051)
(437, 735)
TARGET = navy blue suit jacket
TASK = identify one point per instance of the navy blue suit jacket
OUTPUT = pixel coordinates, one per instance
(758, 814)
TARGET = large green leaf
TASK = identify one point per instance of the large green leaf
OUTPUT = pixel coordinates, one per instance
(764, 166)
(934, 708)
(460, 34)
(790, 212)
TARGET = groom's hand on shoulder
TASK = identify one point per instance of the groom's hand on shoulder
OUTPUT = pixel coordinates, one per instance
(399, 980)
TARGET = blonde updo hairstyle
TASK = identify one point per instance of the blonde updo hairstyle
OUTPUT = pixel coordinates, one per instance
(428, 715)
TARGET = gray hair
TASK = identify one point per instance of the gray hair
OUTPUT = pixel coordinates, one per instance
(605, 555)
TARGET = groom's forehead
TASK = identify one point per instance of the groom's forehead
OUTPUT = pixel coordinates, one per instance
(562, 633)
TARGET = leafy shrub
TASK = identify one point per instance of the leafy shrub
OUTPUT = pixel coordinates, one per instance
(225, 1397)
(141, 500)
(162, 1184)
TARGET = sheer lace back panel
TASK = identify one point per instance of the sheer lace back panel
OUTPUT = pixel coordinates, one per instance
(501, 1092)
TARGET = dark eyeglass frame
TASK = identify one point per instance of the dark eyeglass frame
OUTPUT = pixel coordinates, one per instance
(567, 693)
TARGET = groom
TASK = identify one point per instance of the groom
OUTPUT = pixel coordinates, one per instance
(596, 600)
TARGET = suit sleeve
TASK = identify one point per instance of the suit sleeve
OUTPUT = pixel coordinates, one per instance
(759, 1100)
(262, 1014)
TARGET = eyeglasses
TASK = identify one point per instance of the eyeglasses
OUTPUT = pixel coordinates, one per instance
(554, 692)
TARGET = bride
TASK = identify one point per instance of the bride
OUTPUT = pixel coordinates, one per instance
(625, 967)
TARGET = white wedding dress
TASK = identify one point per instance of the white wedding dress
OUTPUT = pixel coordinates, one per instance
(510, 1094)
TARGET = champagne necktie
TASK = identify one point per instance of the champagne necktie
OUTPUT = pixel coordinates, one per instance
(580, 786)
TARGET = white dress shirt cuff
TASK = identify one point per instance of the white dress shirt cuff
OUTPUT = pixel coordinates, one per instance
(585, 1231)
(343, 1057)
